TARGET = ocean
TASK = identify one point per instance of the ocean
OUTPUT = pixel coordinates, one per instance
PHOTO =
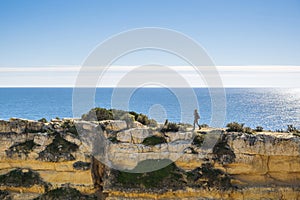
(271, 108)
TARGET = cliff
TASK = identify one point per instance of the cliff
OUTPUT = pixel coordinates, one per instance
(96, 160)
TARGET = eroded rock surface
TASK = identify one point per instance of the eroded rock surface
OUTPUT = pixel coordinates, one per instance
(95, 159)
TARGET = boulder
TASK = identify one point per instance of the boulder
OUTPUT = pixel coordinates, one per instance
(133, 135)
(113, 125)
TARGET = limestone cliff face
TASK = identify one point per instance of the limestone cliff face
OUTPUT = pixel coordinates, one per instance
(38, 157)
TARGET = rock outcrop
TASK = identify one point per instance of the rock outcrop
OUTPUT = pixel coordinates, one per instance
(96, 160)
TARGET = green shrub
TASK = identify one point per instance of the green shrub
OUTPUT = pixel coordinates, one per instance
(69, 127)
(209, 177)
(292, 129)
(259, 129)
(248, 130)
(21, 178)
(143, 119)
(43, 120)
(296, 134)
(65, 193)
(5, 195)
(170, 127)
(113, 139)
(236, 127)
(222, 152)
(98, 114)
(167, 176)
(81, 165)
(21, 148)
(154, 140)
(59, 150)
(198, 140)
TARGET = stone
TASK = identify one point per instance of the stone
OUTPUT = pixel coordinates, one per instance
(133, 135)
(173, 136)
(113, 125)
(43, 139)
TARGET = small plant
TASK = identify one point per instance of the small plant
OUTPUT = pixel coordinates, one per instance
(198, 140)
(222, 152)
(70, 127)
(43, 120)
(208, 176)
(154, 140)
(143, 119)
(65, 193)
(5, 195)
(21, 148)
(236, 127)
(113, 139)
(170, 127)
(248, 130)
(98, 114)
(292, 129)
(82, 165)
(59, 150)
(21, 178)
(296, 134)
(169, 175)
(259, 129)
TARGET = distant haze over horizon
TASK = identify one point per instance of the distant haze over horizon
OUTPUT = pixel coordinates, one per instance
(231, 76)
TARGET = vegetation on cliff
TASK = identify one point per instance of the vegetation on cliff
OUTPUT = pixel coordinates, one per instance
(59, 150)
(223, 154)
(100, 114)
(172, 177)
(236, 127)
(65, 193)
(4, 195)
(169, 176)
(21, 178)
(79, 165)
(21, 148)
(198, 140)
(154, 140)
(208, 177)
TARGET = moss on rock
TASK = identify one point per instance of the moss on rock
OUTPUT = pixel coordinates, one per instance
(65, 193)
(59, 150)
(222, 152)
(82, 165)
(154, 140)
(5, 195)
(169, 176)
(21, 178)
(208, 177)
(21, 148)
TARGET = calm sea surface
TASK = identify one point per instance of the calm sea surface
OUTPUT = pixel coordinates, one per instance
(271, 108)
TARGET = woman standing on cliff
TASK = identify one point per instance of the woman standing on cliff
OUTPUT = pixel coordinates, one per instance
(196, 118)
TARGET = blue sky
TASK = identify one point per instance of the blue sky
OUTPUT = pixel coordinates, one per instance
(234, 32)
(60, 34)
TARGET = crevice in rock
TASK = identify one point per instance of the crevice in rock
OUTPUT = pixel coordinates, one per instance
(98, 173)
